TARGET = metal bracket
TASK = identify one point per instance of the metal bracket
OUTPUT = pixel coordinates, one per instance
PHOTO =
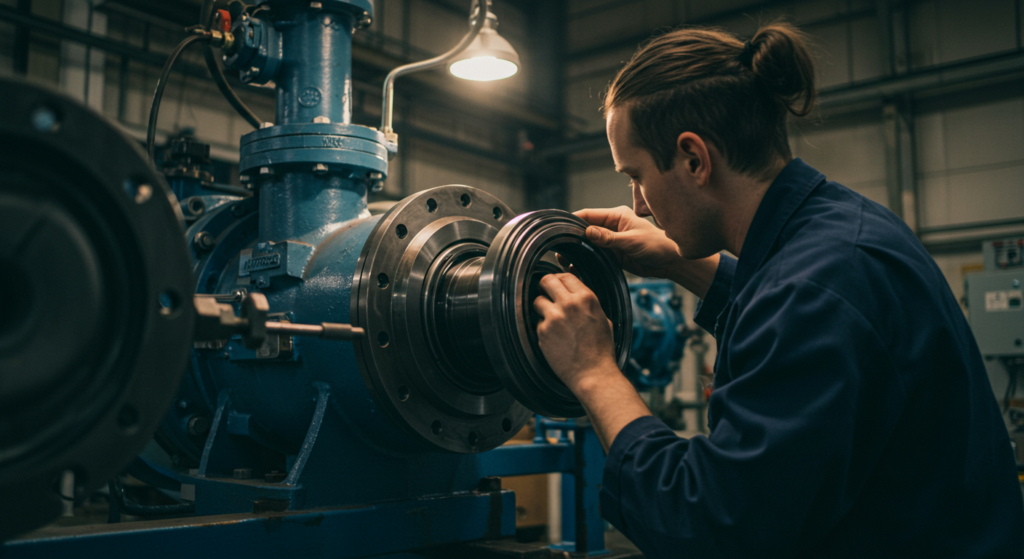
(269, 260)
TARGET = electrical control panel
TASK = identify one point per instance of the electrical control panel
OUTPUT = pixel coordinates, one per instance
(1005, 253)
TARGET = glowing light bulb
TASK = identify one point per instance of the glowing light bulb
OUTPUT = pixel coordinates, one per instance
(483, 69)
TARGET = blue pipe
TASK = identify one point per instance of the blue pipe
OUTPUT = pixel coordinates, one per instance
(315, 78)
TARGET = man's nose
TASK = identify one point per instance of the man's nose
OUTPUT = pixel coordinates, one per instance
(639, 204)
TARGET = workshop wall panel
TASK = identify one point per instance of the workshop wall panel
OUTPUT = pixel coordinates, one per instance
(949, 30)
(583, 102)
(436, 29)
(432, 165)
(595, 28)
(593, 182)
(970, 163)
(853, 155)
(832, 54)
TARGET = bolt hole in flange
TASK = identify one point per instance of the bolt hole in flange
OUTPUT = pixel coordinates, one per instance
(403, 392)
(382, 280)
(466, 200)
(436, 427)
(383, 339)
(138, 191)
(401, 231)
(497, 213)
(473, 438)
(169, 303)
(431, 205)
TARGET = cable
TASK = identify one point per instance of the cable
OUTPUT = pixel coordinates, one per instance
(154, 110)
(225, 88)
(126, 505)
(205, 15)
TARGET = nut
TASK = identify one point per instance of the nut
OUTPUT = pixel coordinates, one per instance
(203, 241)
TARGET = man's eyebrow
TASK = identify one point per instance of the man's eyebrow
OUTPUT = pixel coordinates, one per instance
(626, 170)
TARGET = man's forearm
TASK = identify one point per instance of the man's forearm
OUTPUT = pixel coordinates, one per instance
(611, 403)
(696, 276)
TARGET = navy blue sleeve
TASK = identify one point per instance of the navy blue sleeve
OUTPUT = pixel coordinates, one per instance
(788, 451)
(717, 296)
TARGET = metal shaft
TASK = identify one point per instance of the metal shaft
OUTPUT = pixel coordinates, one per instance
(324, 330)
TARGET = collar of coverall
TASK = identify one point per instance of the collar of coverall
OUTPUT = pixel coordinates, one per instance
(780, 202)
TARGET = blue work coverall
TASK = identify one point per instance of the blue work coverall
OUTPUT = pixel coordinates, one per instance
(851, 416)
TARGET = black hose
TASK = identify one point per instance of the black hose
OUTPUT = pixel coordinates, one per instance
(127, 506)
(165, 74)
(205, 15)
(225, 88)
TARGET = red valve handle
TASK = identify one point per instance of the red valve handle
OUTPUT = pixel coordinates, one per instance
(225, 20)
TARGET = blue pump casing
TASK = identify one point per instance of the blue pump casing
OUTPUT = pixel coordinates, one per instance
(659, 334)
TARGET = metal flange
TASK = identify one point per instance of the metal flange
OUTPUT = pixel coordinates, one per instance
(519, 256)
(446, 284)
(445, 397)
(98, 327)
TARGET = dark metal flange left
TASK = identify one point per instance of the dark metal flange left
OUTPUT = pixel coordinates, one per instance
(92, 257)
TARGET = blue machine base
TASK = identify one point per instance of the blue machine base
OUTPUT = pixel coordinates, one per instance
(380, 529)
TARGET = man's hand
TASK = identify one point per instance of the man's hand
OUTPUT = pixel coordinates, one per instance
(645, 250)
(640, 247)
(574, 335)
(576, 339)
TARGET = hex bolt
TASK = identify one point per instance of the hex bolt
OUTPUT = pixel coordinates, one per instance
(266, 125)
(320, 169)
(242, 473)
(316, 5)
(321, 120)
(204, 241)
(266, 171)
(254, 71)
(198, 425)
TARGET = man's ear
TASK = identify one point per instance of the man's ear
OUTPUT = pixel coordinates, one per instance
(692, 154)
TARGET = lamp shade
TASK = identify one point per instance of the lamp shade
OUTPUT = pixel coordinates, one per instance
(489, 57)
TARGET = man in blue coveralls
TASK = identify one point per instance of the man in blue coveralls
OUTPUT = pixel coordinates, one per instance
(851, 416)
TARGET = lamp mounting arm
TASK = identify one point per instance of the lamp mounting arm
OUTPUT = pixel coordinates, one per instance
(481, 9)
